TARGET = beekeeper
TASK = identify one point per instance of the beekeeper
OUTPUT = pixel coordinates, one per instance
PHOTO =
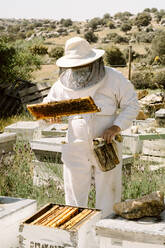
(82, 73)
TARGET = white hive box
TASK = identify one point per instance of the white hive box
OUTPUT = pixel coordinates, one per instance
(12, 212)
(55, 130)
(7, 141)
(27, 130)
(149, 122)
(146, 143)
(47, 148)
(154, 143)
(39, 230)
(117, 232)
(131, 143)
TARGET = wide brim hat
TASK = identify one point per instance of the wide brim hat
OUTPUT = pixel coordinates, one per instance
(78, 52)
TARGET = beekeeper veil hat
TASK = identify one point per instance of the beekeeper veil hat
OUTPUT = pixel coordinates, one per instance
(78, 52)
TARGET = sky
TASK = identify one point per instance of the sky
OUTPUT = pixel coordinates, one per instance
(75, 9)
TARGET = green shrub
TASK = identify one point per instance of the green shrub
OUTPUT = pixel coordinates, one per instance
(149, 79)
(158, 45)
(16, 62)
(116, 38)
(142, 80)
(111, 25)
(39, 49)
(159, 78)
(66, 22)
(134, 54)
(94, 22)
(90, 37)
(126, 27)
(114, 57)
(56, 52)
(142, 19)
(145, 37)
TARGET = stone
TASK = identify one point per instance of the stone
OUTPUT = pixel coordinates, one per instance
(142, 93)
(148, 205)
(141, 115)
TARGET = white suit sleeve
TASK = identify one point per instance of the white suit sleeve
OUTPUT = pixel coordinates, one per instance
(53, 94)
(127, 100)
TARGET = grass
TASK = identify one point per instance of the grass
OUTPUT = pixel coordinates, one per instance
(12, 119)
(16, 179)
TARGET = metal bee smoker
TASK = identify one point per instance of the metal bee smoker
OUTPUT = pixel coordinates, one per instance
(106, 154)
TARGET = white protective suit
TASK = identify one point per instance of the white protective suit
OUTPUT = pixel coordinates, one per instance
(112, 92)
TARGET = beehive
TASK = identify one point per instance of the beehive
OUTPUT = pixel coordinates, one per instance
(12, 212)
(60, 226)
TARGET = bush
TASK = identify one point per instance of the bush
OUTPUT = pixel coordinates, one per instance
(56, 52)
(114, 37)
(114, 57)
(145, 36)
(126, 27)
(90, 37)
(16, 62)
(158, 45)
(134, 54)
(159, 79)
(39, 49)
(149, 79)
(142, 80)
(93, 23)
(111, 25)
(66, 22)
(142, 19)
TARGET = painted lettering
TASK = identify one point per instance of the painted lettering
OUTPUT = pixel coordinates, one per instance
(39, 245)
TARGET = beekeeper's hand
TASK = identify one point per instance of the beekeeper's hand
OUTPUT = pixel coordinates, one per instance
(110, 133)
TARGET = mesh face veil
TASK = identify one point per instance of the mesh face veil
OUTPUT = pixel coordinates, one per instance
(81, 77)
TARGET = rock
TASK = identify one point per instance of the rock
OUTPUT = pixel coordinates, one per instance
(141, 115)
(148, 205)
(142, 93)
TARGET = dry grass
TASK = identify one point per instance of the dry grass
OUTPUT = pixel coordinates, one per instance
(47, 73)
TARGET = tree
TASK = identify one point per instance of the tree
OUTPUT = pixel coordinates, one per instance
(126, 27)
(147, 10)
(106, 16)
(16, 62)
(66, 22)
(113, 56)
(90, 37)
(56, 52)
(158, 45)
(142, 19)
(153, 10)
(93, 23)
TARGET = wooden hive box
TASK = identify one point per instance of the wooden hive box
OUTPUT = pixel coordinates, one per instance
(60, 226)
